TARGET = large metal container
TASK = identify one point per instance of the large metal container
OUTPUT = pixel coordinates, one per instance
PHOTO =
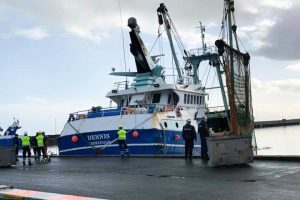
(7, 156)
(229, 150)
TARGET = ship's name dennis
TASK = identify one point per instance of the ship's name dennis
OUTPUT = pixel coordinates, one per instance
(98, 137)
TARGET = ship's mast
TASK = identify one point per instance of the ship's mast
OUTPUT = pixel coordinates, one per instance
(202, 29)
(229, 6)
(237, 73)
(164, 17)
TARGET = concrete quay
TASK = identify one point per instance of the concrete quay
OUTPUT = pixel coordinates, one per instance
(157, 178)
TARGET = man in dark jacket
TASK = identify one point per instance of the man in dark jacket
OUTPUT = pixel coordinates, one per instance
(33, 143)
(189, 135)
(16, 144)
(203, 131)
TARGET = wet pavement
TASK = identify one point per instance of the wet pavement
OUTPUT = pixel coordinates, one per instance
(157, 178)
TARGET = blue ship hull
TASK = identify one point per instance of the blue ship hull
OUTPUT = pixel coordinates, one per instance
(148, 142)
(6, 141)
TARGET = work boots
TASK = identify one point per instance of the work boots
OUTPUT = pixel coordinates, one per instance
(24, 163)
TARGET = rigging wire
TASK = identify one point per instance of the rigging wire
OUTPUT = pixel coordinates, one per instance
(123, 43)
(213, 81)
(242, 43)
(207, 76)
(205, 71)
(177, 41)
(180, 43)
(159, 34)
(161, 49)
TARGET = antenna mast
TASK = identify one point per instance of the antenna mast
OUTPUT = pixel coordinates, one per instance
(202, 29)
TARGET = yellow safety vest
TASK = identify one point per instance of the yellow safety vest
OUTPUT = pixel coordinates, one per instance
(122, 134)
(40, 140)
(25, 141)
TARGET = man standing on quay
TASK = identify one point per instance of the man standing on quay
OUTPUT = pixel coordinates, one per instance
(204, 133)
(26, 148)
(189, 135)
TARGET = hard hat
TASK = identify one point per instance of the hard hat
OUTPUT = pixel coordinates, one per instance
(188, 121)
(25, 133)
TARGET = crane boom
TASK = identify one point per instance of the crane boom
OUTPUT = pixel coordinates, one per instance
(165, 19)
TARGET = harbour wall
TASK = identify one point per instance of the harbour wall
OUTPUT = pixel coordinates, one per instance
(276, 123)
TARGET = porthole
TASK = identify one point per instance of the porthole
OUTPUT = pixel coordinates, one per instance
(165, 124)
(176, 124)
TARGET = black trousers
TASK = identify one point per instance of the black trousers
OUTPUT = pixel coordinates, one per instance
(40, 151)
(17, 150)
(189, 146)
(123, 147)
(204, 155)
(35, 151)
(26, 150)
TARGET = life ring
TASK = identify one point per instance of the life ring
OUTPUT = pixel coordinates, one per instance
(168, 108)
(128, 111)
(177, 110)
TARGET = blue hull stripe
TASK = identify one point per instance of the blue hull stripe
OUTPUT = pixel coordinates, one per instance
(149, 141)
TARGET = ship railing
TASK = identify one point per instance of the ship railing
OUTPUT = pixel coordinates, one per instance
(136, 109)
(154, 108)
(203, 51)
(95, 112)
(120, 86)
(215, 109)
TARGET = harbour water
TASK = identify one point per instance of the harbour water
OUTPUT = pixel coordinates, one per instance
(278, 141)
(270, 141)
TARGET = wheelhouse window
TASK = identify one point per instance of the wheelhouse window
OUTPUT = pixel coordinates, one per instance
(195, 99)
(156, 98)
(175, 98)
(198, 100)
(188, 99)
(169, 98)
(185, 98)
(201, 100)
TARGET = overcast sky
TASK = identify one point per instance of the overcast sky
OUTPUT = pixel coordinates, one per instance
(56, 55)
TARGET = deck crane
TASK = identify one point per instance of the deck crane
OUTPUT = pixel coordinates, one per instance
(165, 19)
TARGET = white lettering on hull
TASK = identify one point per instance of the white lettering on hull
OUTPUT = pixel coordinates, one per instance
(98, 137)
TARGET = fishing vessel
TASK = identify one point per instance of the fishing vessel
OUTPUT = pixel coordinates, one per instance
(153, 111)
(7, 139)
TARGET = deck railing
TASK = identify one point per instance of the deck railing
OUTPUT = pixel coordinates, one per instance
(140, 109)
(215, 109)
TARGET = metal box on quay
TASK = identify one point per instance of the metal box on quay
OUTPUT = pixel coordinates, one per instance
(229, 150)
(7, 156)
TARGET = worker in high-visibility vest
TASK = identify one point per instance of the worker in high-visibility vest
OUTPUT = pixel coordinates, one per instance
(41, 145)
(121, 136)
(26, 148)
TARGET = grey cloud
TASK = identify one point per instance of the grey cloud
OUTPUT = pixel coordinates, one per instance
(93, 19)
(291, 86)
(282, 41)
